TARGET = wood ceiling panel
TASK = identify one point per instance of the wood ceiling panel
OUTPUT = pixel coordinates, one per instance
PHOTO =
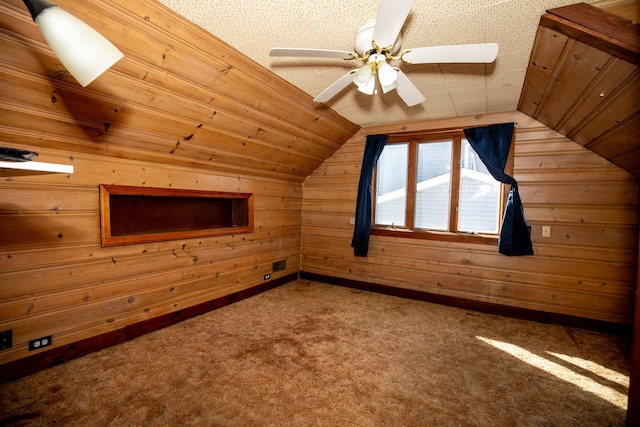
(583, 81)
(547, 49)
(577, 59)
(620, 141)
(614, 73)
(629, 162)
(610, 113)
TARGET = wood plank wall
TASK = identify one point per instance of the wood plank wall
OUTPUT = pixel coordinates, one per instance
(586, 268)
(181, 110)
(57, 280)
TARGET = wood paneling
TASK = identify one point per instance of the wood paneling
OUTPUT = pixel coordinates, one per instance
(57, 279)
(179, 96)
(583, 80)
(182, 110)
(586, 268)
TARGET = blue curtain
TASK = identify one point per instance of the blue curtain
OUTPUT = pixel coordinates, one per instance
(492, 143)
(372, 150)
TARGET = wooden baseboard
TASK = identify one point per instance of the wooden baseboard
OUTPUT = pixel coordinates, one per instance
(480, 306)
(56, 356)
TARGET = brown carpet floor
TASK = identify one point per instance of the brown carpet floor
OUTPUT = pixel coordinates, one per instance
(311, 354)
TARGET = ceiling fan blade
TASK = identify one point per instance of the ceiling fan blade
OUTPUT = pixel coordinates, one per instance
(408, 91)
(486, 52)
(310, 53)
(335, 88)
(389, 21)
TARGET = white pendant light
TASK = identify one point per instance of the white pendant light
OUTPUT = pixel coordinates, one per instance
(388, 76)
(369, 87)
(363, 75)
(387, 88)
(83, 51)
(365, 79)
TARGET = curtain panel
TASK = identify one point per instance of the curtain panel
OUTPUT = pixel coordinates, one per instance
(493, 143)
(372, 150)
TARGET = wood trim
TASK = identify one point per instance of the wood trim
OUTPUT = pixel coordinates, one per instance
(412, 185)
(56, 356)
(454, 204)
(106, 220)
(427, 135)
(481, 306)
(451, 124)
(435, 235)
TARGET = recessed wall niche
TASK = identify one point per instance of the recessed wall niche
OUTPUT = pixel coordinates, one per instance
(130, 215)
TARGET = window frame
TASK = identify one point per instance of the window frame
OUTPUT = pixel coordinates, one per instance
(409, 231)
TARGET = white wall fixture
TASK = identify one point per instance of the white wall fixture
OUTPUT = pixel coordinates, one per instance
(32, 168)
(83, 51)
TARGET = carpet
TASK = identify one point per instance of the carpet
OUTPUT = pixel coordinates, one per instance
(312, 354)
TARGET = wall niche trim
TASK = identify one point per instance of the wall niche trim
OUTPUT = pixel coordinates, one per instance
(130, 215)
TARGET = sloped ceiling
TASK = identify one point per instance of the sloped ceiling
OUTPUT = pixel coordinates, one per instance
(583, 81)
(575, 70)
(452, 90)
(179, 96)
(183, 97)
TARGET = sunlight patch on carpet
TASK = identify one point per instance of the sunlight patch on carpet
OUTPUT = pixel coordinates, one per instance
(571, 376)
(601, 371)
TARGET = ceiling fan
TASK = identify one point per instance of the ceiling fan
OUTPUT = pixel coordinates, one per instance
(377, 43)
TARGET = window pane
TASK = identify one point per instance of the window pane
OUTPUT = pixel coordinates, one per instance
(479, 205)
(391, 185)
(434, 185)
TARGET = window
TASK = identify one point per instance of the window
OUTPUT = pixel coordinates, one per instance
(436, 186)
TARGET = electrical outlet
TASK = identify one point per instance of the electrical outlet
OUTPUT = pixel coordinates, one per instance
(267, 276)
(546, 231)
(39, 343)
(6, 339)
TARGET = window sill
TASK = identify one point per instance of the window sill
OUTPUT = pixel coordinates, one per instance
(484, 239)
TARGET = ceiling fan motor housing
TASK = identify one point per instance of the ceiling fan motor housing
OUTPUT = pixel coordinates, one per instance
(364, 40)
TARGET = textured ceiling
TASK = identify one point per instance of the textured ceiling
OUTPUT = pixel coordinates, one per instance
(451, 90)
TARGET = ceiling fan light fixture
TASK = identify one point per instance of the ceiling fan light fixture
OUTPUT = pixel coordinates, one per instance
(83, 51)
(387, 74)
(387, 88)
(363, 75)
(378, 43)
(370, 87)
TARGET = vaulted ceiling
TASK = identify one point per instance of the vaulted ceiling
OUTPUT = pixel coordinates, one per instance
(451, 90)
(183, 97)
(572, 76)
